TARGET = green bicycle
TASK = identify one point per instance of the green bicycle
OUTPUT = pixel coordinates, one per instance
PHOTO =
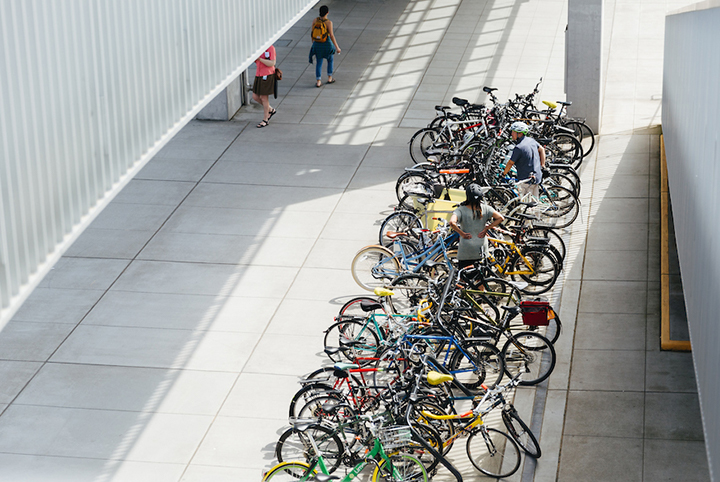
(395, 467)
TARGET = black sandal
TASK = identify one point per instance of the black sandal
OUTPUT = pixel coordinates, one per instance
(263, 123)
(272, 113)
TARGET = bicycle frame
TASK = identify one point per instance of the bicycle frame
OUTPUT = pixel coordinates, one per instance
(319, 463)
(503, 267)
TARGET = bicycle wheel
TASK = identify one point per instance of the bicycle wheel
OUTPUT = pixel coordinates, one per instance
(294, 471)
(357, 337)
(443, 428)
(559, 206)
(482, 365)
(551, 236)
(537, 268)
(374, 266)
(413, 183)
(423, 140)
(493, 452)
(354, 306)
(400, 222)
(308, 393)
(409, 289)
(559, 179)
(390, 366)
(417, 450)
(530, 355)
(568, 147)
(521, 433)
(402, 467)
(295, 445)
(584, 134)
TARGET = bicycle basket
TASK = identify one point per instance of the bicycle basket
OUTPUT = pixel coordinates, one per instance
(395, 436)
(535, 313)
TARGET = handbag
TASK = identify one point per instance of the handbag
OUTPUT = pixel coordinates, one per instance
(278, 74)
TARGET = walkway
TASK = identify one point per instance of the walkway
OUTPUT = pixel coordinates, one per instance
(166, 344)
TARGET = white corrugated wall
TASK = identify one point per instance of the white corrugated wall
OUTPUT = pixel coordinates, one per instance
(89, 91)
(691, 130)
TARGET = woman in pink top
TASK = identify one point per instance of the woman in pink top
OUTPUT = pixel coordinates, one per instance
(264, 85)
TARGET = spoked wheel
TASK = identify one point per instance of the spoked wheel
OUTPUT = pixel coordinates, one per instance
(409, 289)
(405, 466)
(559, 207)
(537, 268)
(294, 445)
(357, 338)
(374, 266)
(483, 365)
(424, 140)
(399, 222)
(530, 355)
(521, 433)
(493, 452)
(584, 134)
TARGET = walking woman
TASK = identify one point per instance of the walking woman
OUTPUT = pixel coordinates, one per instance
(324, 45)
(264, 85)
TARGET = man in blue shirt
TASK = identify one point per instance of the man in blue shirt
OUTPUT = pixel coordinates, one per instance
(528, 157)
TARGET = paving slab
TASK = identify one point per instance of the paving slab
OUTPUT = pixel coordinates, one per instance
(183, 311)
(57, 305)
(130, 389)
(605, 414)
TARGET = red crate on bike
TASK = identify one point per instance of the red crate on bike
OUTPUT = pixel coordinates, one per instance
(536, 313)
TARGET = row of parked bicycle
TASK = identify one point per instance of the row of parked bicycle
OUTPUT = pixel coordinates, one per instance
(437, 352)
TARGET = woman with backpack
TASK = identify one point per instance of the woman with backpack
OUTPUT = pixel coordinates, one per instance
(324, 45)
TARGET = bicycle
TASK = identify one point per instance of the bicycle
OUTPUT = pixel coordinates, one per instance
(396, 467)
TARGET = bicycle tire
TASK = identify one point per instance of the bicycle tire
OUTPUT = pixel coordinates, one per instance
(399, 222)
(521, 433)
(294, 471)
(559, 205)
(560, 179)
(307, 393)
(353, 307)
(294, 445)
(545, 270)
(567, 146)
(487, 365)
(443, 428)
(410, 182)
(409, 468)
(553, 238)
(409, 289)
(418, 450)
(421, 141)
(584, 133)
(524, 353)
(342, 332)
(374, 266)
(497, 456)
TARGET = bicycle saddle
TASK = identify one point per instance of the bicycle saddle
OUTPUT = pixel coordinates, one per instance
(487, 90)
(564, 103)
(460, 102)
(368, 306)
(552, 105)
(442, 107)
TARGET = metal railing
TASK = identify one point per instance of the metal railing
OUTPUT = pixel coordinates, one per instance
(90, 91)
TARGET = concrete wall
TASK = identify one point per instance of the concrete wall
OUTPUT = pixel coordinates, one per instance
(691, 127)
(583, 50)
